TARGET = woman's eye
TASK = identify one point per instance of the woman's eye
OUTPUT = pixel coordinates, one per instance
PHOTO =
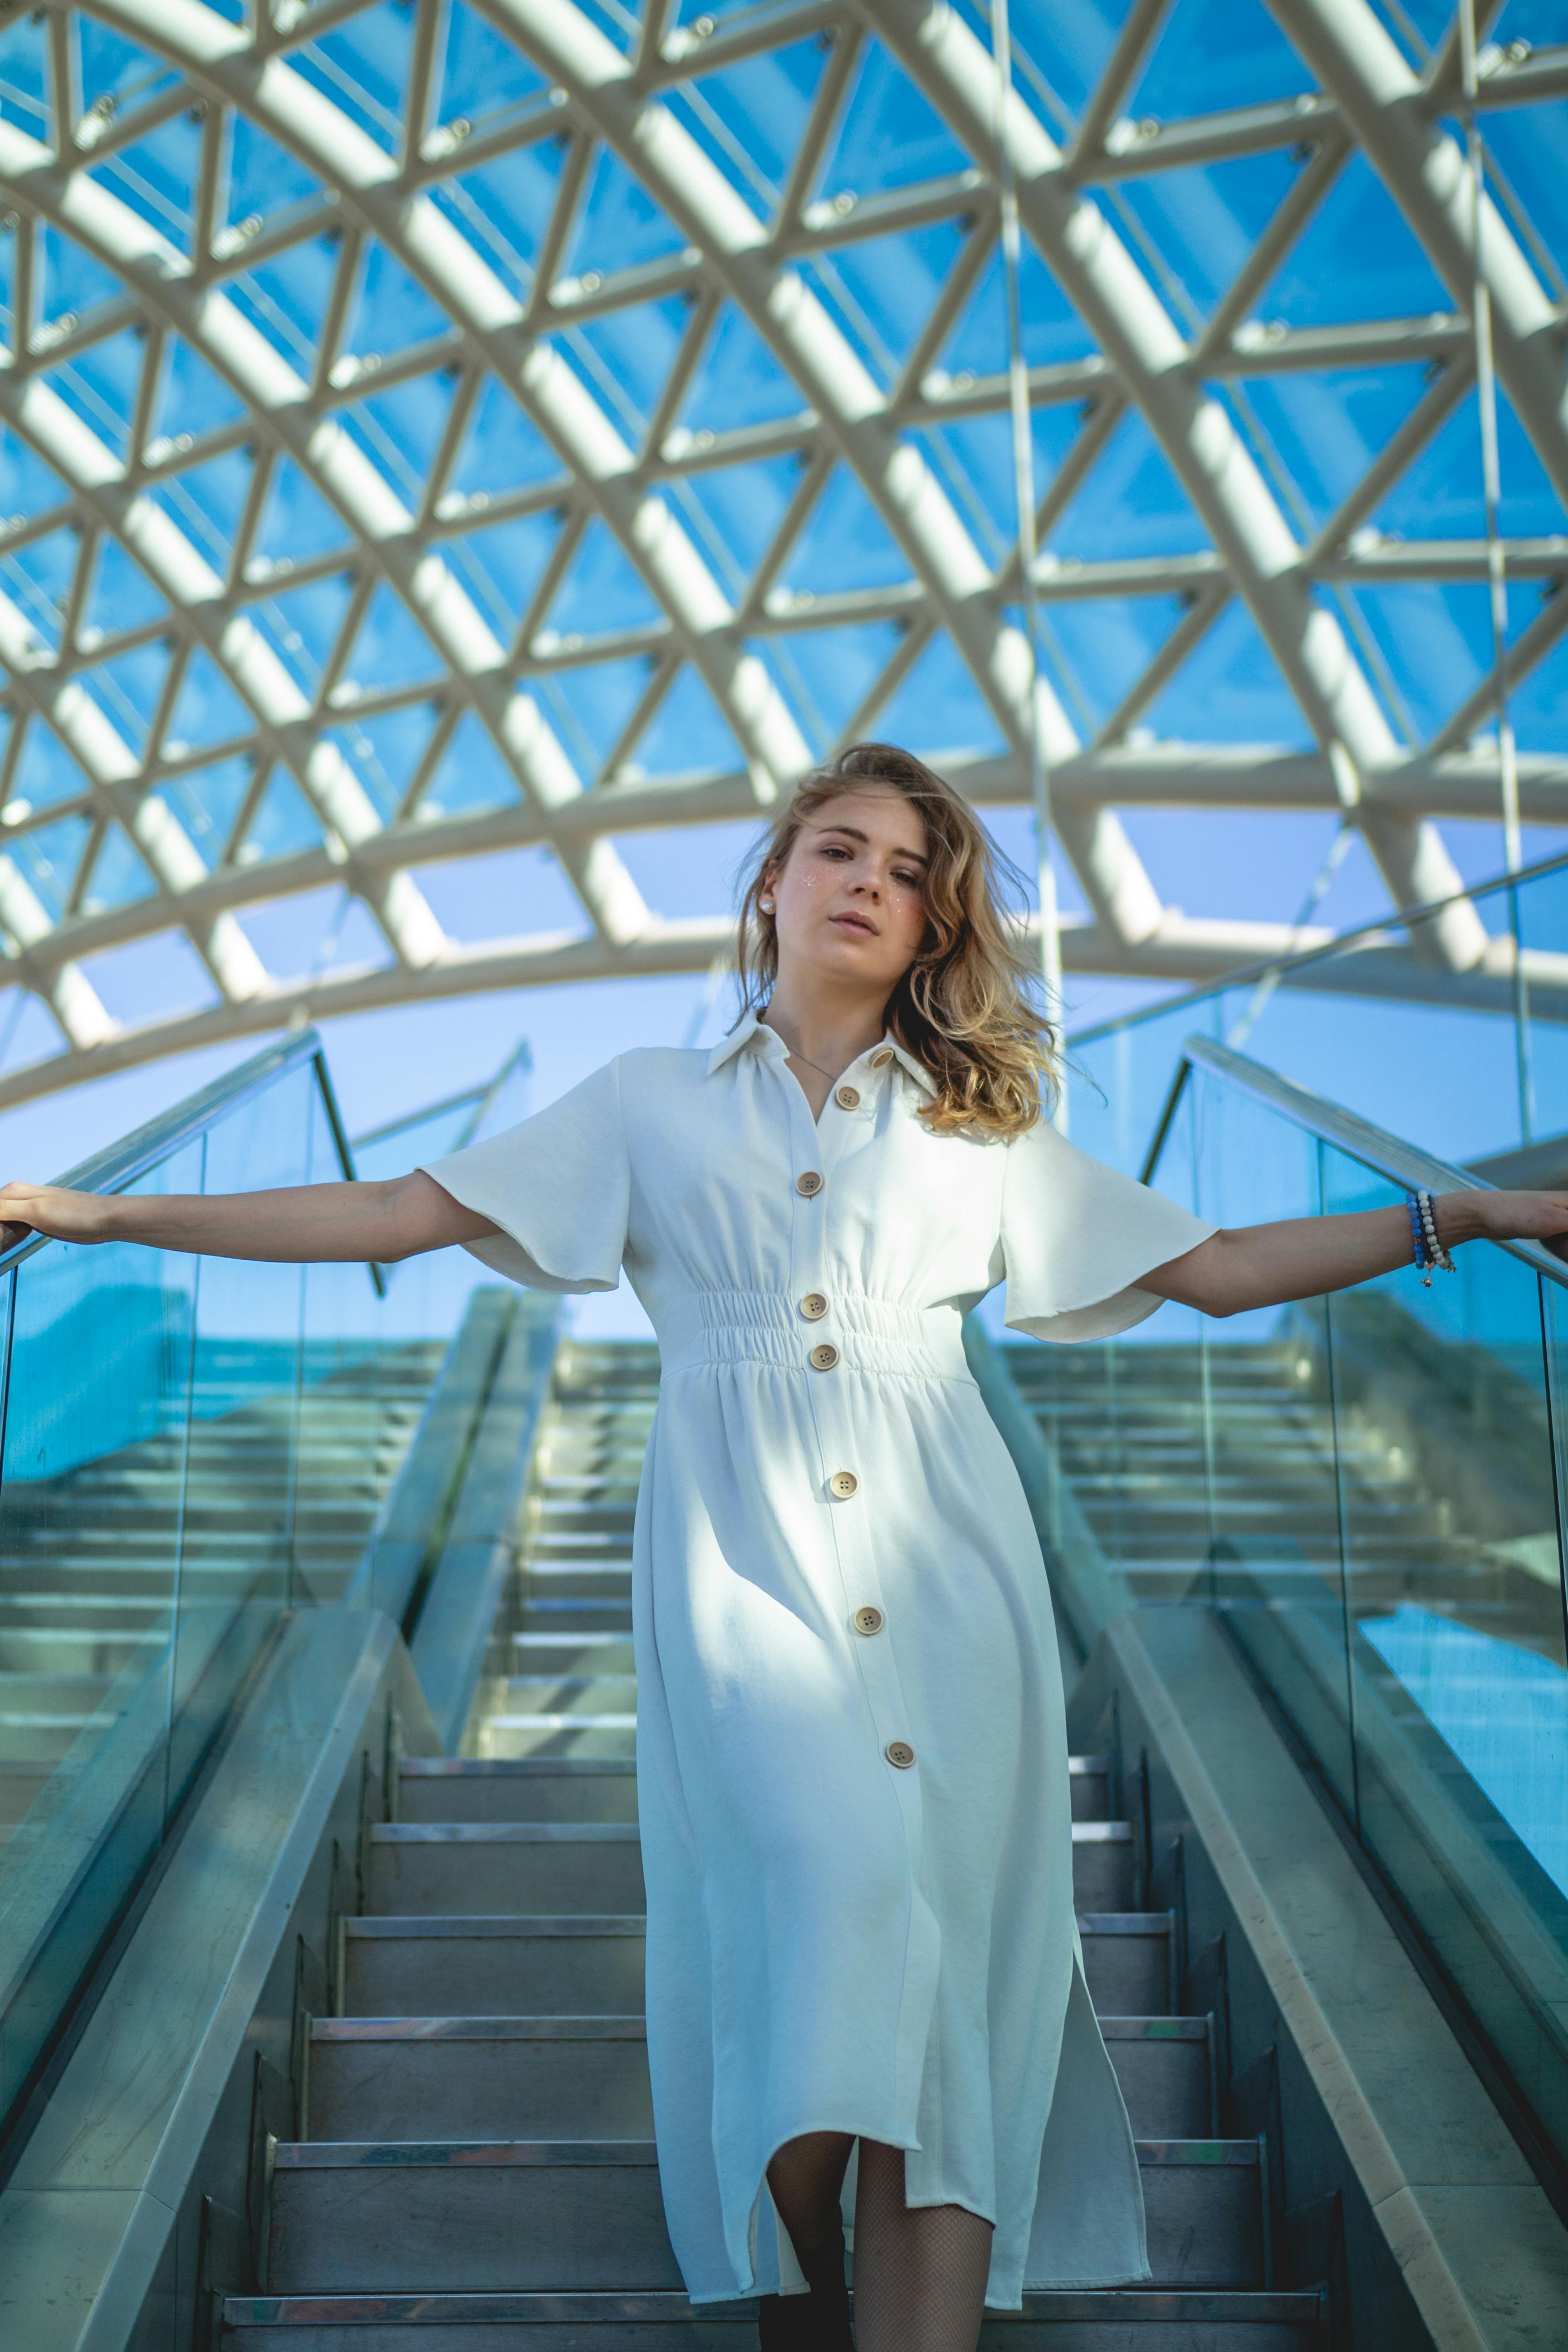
(910, 881)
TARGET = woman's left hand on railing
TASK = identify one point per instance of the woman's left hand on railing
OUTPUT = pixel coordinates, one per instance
(1505, 1217)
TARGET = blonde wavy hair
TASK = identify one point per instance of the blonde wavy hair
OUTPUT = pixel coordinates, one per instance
(969, 1007)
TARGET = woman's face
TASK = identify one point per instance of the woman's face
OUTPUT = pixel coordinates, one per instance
(849, 900)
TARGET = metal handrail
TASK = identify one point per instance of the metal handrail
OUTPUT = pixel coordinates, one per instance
(1388, 1156)
(120, 1164)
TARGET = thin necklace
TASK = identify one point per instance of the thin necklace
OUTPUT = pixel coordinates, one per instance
(796, 1055)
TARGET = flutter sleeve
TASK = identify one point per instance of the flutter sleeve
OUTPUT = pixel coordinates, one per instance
(1075, 1235)
(558, 1186)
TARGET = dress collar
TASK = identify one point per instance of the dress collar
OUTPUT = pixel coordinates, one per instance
(753, 1035)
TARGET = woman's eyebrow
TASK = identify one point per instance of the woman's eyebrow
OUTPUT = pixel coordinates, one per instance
(855, 834)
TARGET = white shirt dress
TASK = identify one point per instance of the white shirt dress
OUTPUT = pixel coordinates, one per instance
(851, 1751)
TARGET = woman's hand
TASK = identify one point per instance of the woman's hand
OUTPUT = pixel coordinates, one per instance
(1501, 1216)
(50, 1209)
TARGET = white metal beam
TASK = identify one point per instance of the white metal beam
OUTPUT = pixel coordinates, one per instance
(1182, 950)
(1425, 171)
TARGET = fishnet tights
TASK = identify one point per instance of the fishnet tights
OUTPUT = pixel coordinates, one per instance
(919, 2272)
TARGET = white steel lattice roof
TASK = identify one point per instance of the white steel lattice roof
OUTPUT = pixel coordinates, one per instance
(436, 427)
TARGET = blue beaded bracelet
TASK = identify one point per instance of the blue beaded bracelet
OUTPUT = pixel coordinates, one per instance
(1418, 1240)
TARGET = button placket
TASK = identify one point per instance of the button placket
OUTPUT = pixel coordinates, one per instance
(849, 1527)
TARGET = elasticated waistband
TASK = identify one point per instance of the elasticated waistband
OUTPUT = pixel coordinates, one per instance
(736, 1327)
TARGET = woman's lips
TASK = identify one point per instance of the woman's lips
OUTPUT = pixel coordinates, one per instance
(855, 923)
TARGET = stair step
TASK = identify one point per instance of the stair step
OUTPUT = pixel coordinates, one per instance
(505, 1867)
(1129, 1961)
(1165, 2067)
(518, 1789)
(584, 1735)
(399, 2216)
(474, 2078)
(1088, 1784)
(602, 1651)
(598, 1696)
(494, 1967)
(586, 1865)
(1113, 2319)
(537, 1789)
(554, 2077)
(1102, 1866)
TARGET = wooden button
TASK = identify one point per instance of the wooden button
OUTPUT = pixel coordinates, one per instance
(814, 1307)
(842, 1484)
(900, 1752)
(823, 1358)
(869, 1620)
(809, 1183)
(847, 1098)
(881, 1059)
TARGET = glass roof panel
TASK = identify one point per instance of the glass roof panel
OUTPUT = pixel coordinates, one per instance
(655, 424)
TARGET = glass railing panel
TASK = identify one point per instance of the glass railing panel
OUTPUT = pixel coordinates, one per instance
(1118, 1079)
(1275, 1563)
(1124, 1419)
(345, 1433)
(91, 1502)
(1454, 1060)
(1454, 1582)
(237, 1560)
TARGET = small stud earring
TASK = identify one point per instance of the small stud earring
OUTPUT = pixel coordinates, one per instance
(766, 905)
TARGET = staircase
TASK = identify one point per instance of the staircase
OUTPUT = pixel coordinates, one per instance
(475, 2167)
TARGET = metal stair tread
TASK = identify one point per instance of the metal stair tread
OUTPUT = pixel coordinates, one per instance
(497, 1923)
(505, 1833)
(471, 2155)
(479, 2029)
(520, 1768)
(1228, 2304)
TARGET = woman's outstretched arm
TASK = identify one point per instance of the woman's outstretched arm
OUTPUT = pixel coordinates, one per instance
(1298, 1257)
(295, 1223)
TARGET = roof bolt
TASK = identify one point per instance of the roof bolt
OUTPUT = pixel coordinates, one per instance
(557, 98)
(251, 226)
(846, 200)
(183, 441)
(458, 129)
(590, 281)
(964, 380)
(1147, 128)
(1516, 52)
(702, 26)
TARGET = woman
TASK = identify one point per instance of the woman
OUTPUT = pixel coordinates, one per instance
(852, 1763)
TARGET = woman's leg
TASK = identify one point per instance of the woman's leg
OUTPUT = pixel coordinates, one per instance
(921, 2270)
(807, 2180)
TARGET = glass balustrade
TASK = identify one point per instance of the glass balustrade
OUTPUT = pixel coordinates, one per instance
(1364, 1490)
(1329, 1020)
(192, 1448)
